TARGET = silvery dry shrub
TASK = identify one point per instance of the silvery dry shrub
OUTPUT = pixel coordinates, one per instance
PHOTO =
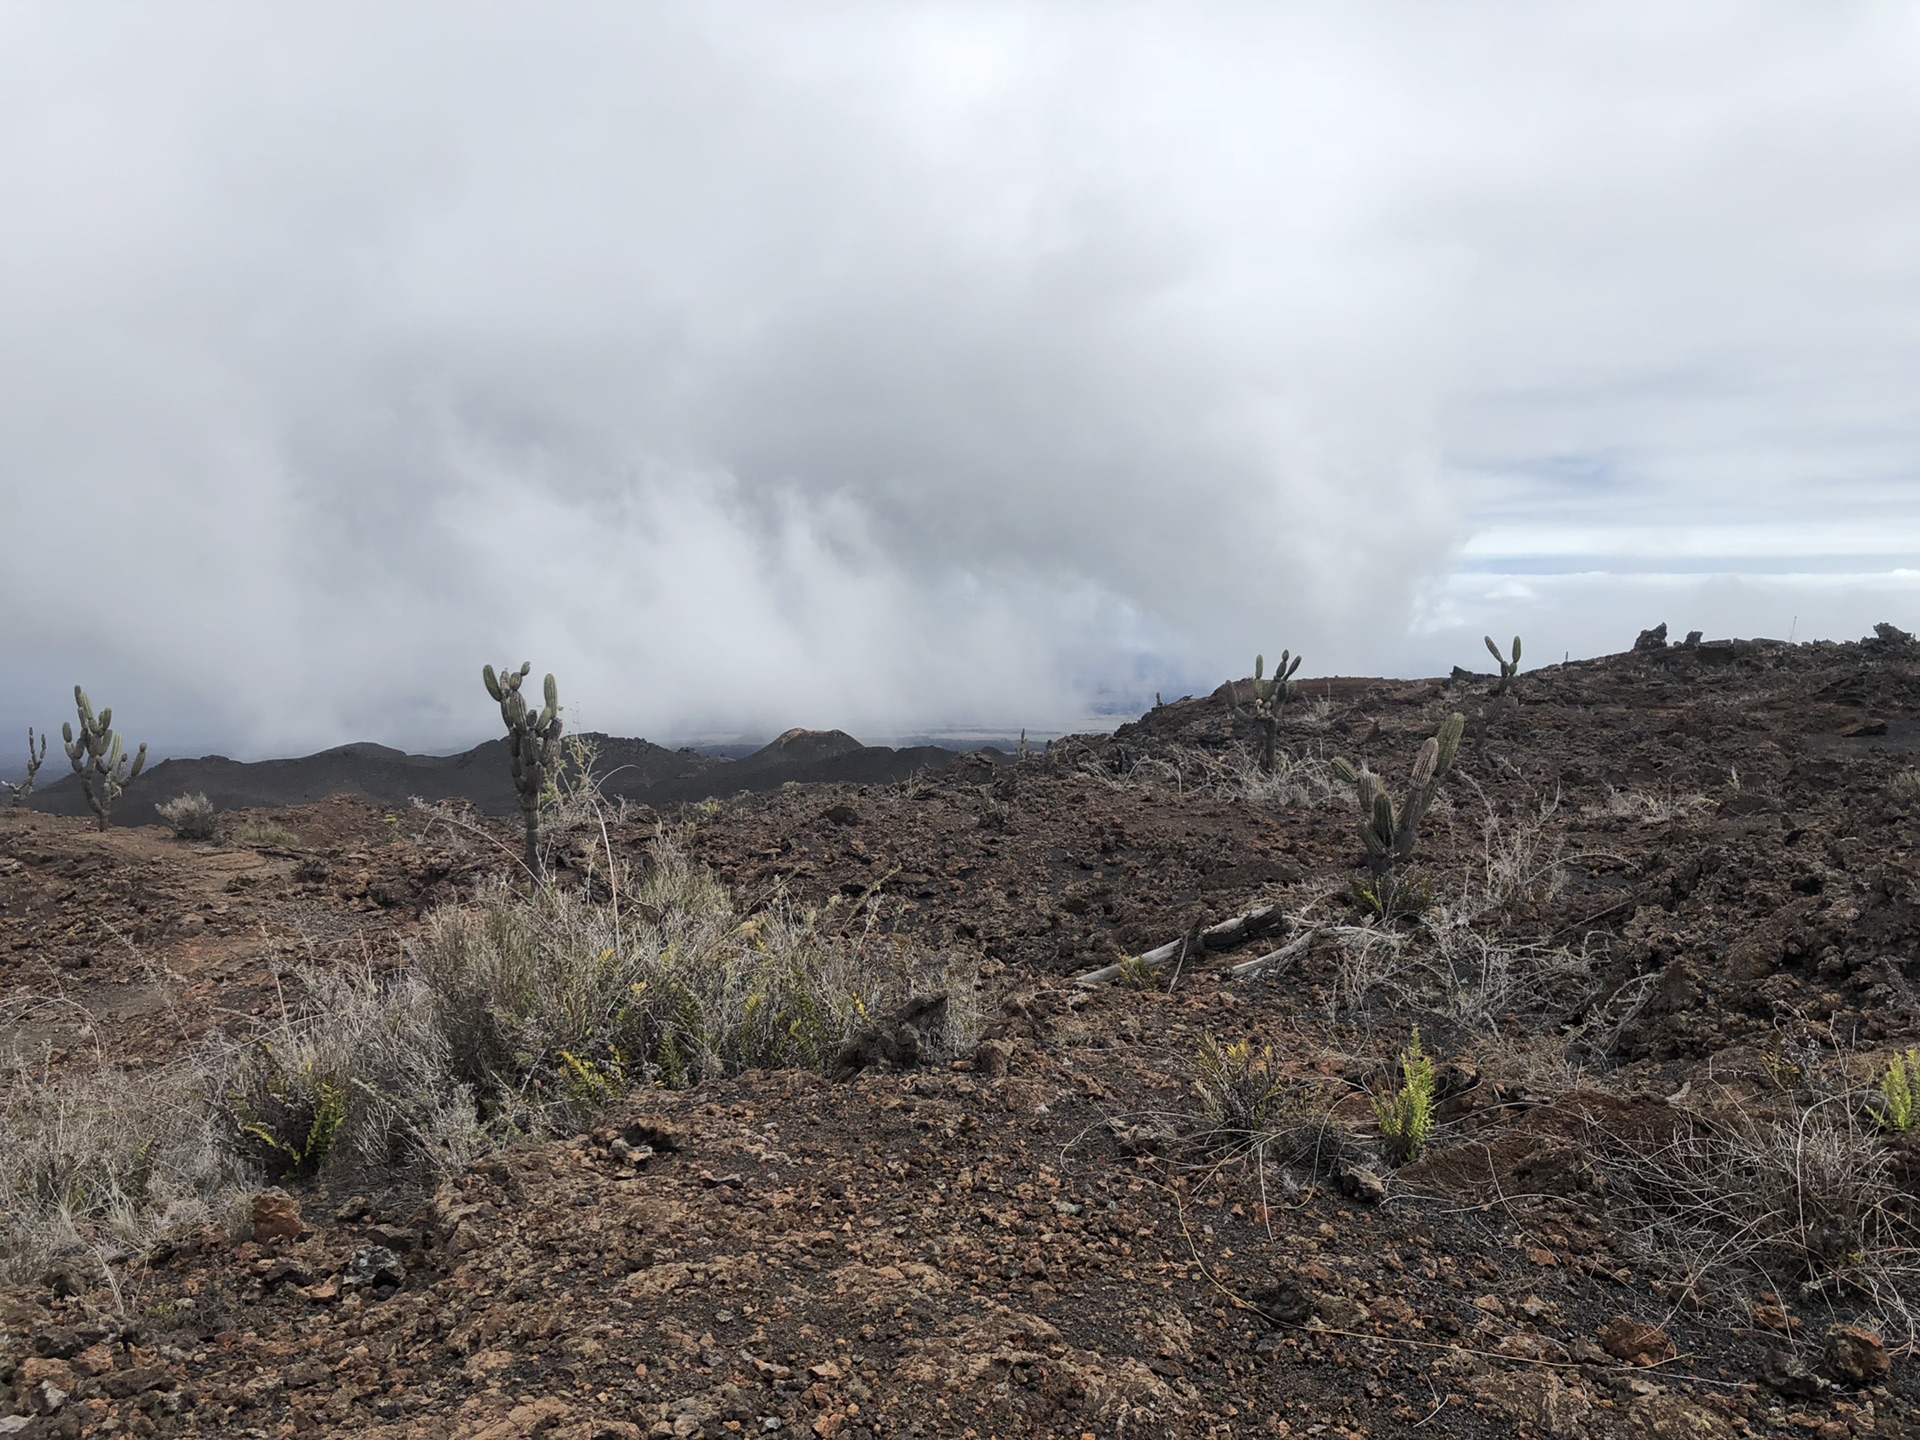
(104, 1158)
(189, 817)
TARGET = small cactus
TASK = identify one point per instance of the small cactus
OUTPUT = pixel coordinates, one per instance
(99, 757)
(1390, 832)
(1508, 668)
(531, 737)
(18, 793)
(1269, 698)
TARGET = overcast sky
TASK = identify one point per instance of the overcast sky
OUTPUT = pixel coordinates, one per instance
(902, 366)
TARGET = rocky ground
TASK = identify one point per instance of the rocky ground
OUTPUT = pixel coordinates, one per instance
(1667, 895)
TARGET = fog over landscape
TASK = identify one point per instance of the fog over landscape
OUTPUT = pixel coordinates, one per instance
(920, 368)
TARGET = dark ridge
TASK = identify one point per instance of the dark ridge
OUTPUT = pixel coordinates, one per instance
(636, 770)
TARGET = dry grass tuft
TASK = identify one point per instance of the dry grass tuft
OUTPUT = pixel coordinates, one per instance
(98, 1163)
(520, 1015)
(1798, 1200)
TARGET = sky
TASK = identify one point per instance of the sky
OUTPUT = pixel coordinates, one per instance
(905, 367)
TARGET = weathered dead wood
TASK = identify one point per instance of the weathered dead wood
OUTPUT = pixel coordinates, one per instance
(1224, 936)
(1274, 958)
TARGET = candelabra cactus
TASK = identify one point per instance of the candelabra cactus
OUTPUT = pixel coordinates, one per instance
(1508, 668)
(18, 793)
(99, 757)
(1390, 832)
(531, 738)
(1269, 697)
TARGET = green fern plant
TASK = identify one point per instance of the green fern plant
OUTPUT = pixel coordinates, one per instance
(1137, 974)
(1405, 1114)
(291, 1121)
(1900, 1087)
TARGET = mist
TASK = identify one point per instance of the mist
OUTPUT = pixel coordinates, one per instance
(931, 367)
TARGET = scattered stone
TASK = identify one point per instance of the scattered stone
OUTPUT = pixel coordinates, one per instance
(1855, 1356)
(1360, 1182)
(902, 1038)
(1786, 1372)
(1284, 1303)
(993, 1058)
(1654, 639)
(374, 1265)
(397, 1238)
(137, 1381)
(276, 1216)
(1635, 1341)
(58, 1344)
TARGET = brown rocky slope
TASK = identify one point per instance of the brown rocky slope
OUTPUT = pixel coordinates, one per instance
(1669, 908)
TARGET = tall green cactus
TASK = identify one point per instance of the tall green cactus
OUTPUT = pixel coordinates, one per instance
(1269, 698)
(99, 757)
(1508, 668)
(1390, 832)
(17, 794)
(531, 738)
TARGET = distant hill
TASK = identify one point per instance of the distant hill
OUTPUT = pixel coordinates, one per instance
(637, 770)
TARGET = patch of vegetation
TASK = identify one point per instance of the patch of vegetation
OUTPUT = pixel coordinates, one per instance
(1904, 787)
(1405, 1114)
(266, 834)
(1138, 974)
(1773, 1198)
(1241, 1090)
(189, 817)
(1899, 1091)
(519, 1016)
(99, 1162)
(665, 981)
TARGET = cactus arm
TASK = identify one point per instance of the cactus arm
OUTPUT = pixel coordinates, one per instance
(1448, 742)
(1425, 764)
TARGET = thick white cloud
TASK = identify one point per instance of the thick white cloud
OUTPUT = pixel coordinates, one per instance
(900, 366)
